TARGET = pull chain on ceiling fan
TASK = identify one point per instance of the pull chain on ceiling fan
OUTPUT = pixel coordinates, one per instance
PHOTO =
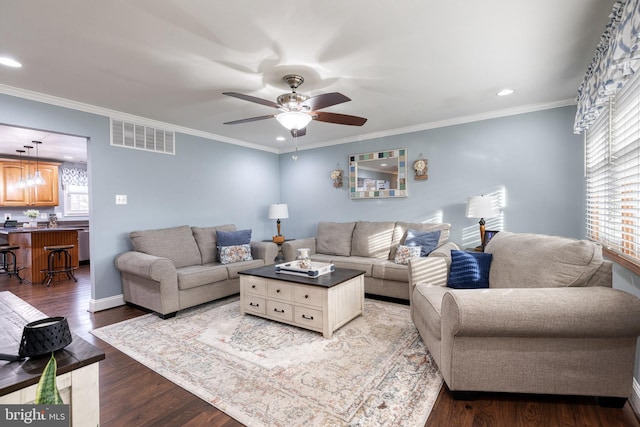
(298, 110)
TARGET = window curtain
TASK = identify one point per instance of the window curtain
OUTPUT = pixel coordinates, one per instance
(72, 176)
(617, 58)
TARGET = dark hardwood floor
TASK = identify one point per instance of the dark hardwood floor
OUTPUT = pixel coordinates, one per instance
(132, 395)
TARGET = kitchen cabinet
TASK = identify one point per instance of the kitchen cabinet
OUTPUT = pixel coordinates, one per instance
(37, 195)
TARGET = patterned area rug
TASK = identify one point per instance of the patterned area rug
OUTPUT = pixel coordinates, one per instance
(375, 371)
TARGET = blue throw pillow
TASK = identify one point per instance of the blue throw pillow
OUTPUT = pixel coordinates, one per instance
(469, 270)
(427, 239)
(233, 238)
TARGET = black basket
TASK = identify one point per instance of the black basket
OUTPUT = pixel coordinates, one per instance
(44, 336)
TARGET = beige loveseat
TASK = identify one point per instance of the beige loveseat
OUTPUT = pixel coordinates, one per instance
(171, 269)
(549, 323)
(371, 247)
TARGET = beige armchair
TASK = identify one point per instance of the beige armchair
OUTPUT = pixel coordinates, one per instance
(549, 323)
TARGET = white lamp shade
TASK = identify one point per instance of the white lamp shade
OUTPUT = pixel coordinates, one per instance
(293, 120)
(278, 211)
(481, 207)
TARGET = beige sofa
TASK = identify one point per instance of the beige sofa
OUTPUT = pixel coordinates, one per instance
(371, 247)
(549, 323)
(171, 269)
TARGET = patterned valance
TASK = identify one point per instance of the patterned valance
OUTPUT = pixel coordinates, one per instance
(617, 58)
(71, 176)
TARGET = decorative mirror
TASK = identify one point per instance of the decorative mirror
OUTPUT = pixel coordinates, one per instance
(378, 174)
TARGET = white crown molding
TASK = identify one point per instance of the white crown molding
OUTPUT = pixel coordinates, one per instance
(88, 108)
(443, 123)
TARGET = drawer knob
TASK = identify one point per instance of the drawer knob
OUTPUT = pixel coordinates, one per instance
(277, 291)
(306, 296)
(254, 305)
(304, 316)
(278, 311)
(253, 286)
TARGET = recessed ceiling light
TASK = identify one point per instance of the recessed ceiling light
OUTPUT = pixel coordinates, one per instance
(9, 62)
(280, 138)
(505, 92)
(68, 157)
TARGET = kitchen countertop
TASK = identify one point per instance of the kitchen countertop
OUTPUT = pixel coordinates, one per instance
(5, 231)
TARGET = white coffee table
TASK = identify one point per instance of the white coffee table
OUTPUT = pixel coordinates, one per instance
(322, 304)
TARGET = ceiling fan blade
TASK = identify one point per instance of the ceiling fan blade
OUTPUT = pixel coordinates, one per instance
(252, 99)
(325, 100)
(251, 119)
(341, 119)
(299, 132)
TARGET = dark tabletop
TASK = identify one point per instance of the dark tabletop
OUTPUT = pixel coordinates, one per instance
(328, 280)
(17, 375)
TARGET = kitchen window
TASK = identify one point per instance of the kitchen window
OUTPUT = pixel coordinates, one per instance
(76, 200)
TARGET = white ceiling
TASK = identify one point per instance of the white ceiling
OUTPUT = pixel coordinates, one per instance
(54, 146)
(407, 65)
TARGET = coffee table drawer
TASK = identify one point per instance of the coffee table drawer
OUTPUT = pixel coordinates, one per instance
(255, 285)
(308, 318)
(308, 295)
(279, 290)
(279, 310)
(255, 304)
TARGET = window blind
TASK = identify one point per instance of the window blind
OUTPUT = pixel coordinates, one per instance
(612, 166)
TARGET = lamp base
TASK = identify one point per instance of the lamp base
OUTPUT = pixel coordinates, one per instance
(278, 239)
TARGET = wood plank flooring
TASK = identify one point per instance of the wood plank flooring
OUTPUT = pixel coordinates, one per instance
(132, 395)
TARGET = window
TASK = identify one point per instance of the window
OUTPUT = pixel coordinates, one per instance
(612, 167)
(76, 200)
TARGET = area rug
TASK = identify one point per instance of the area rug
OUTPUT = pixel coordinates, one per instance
(374, 371)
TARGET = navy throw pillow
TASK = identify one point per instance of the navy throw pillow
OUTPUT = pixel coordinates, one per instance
(233, 238)
(427, 239)
(469, 270)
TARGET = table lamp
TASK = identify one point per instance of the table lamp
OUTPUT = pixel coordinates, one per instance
(481, 207)
(278, 211)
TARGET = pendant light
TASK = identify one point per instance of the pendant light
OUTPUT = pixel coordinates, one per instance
(29, 179)
(37, 178)
(21, 182)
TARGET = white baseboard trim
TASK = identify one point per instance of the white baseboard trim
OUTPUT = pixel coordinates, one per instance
(106, 303)
(635, 398)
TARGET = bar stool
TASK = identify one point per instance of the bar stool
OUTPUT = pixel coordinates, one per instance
(10, 267)
(61, 252)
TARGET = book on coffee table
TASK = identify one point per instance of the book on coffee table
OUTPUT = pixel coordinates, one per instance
(316, 269)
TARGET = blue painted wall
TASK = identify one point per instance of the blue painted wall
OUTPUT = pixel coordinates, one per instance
(533, 160)
(194, 187)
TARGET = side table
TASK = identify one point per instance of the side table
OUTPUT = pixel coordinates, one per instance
(280, 256)
(78, 374)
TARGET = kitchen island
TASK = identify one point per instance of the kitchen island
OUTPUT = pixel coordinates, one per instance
(31, 256)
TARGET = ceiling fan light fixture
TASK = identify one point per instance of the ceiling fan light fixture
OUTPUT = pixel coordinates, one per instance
(294, 120)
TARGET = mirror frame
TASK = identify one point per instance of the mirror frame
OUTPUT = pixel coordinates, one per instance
(398, 153)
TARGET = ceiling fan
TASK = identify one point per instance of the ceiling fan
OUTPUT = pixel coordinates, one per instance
(297, 110)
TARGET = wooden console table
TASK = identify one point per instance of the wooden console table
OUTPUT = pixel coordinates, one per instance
(78, 372)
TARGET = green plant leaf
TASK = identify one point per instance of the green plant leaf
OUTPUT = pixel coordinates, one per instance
(47, 392)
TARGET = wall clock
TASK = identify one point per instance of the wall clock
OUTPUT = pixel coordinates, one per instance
(420, 169)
